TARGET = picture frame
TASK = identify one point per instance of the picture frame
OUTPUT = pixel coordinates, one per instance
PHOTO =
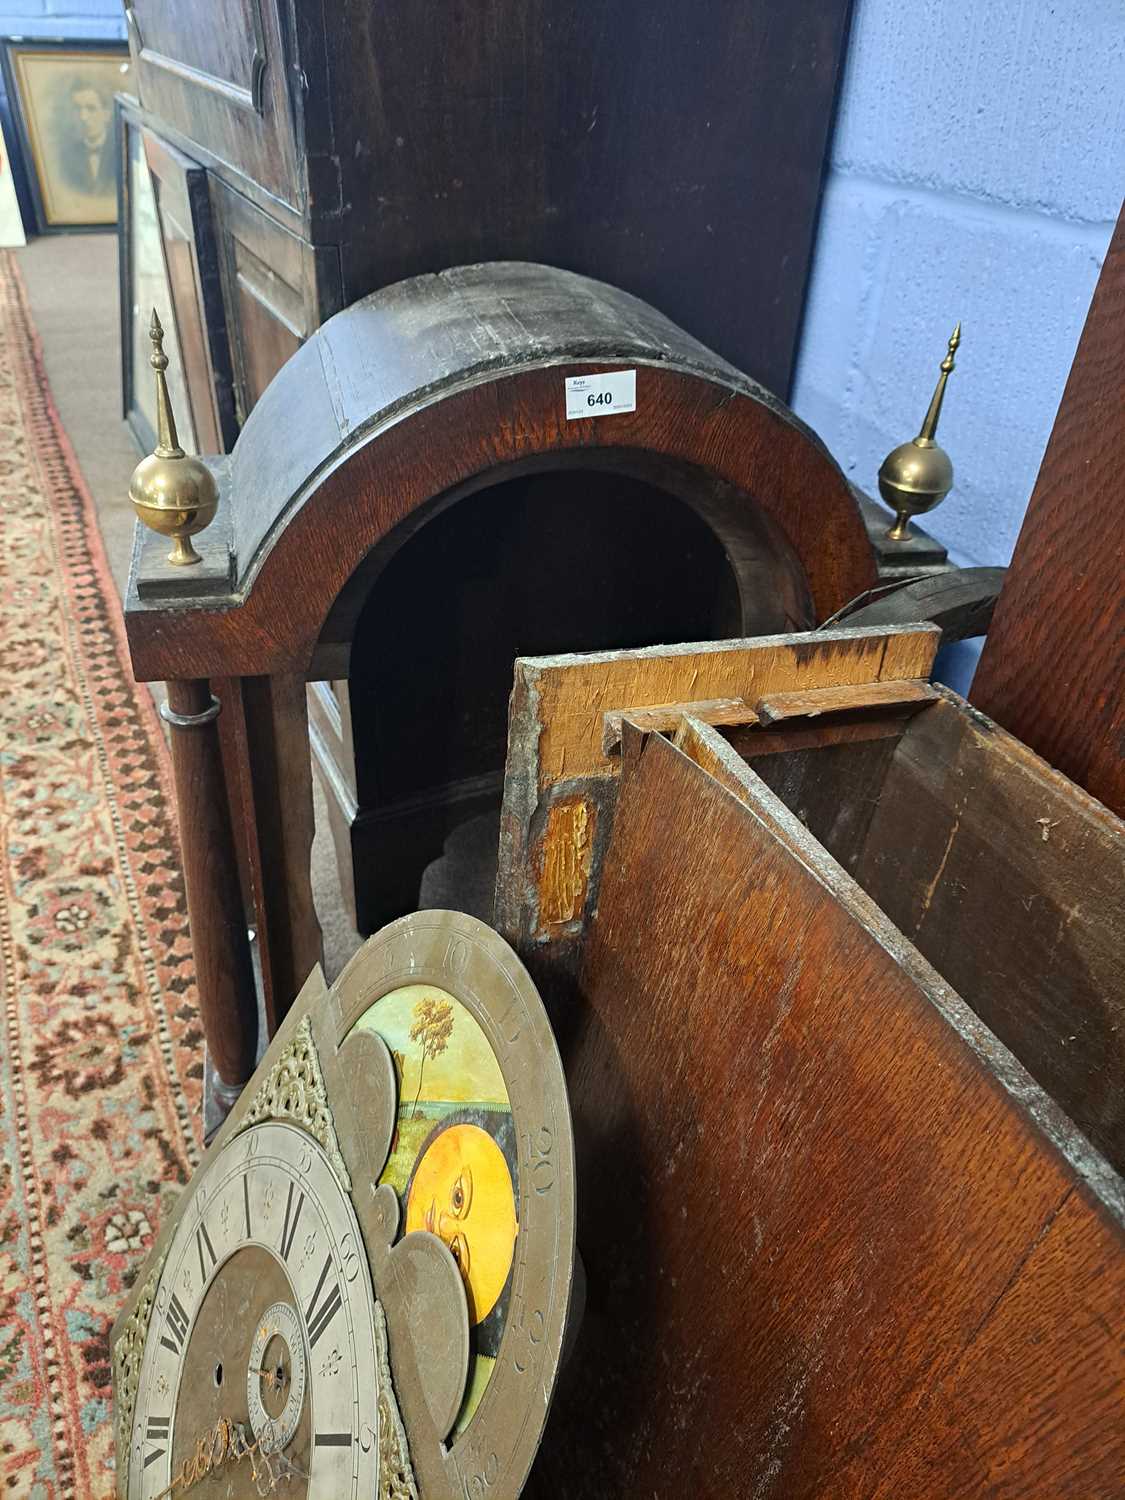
(11, 219)
(61, 96)
(167, 259)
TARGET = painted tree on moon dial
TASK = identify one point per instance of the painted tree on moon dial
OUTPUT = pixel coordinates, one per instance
(453, 1160)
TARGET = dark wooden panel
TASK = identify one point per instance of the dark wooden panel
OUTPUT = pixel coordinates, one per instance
(216, 71)
(275, 290)
(836, 1240)
(1012, 883)
(673, 150)
(1052, 666)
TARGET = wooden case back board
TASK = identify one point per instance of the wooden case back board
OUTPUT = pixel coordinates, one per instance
(837, 1240)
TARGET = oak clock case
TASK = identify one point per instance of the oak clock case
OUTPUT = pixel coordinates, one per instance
(364, 1290)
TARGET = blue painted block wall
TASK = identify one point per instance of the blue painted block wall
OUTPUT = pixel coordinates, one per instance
(976, 171)
(62, 18)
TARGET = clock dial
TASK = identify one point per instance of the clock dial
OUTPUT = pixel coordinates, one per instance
(264, 1319)
(398, 1177)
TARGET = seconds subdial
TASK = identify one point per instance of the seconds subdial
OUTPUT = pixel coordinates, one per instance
(275, 1378)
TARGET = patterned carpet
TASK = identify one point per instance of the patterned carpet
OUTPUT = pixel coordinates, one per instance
(100, 1073)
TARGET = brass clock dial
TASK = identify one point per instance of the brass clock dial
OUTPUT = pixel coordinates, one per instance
(264, 1318)
(364, 1291)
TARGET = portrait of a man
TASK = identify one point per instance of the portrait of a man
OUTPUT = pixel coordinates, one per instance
(64, 96)
(87, 158)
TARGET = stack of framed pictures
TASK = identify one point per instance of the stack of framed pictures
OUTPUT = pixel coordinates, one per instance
(168, 260)
(60, 94)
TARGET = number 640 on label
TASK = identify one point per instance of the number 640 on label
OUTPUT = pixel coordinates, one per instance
(599, 395)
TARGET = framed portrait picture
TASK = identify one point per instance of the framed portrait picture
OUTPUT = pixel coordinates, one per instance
(62, 101)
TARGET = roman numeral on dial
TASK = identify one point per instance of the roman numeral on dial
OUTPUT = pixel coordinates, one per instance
(333, 1440)
(246, 1202)
(176, 1322)
(320, 1313)
(289, 1228)
(206, 1250)
(157, 1432)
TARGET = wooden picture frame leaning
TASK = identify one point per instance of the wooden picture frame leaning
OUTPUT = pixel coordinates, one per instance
(61, 95)
(167, 259)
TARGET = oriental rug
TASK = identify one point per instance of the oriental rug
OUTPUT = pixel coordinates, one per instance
(100, 1073)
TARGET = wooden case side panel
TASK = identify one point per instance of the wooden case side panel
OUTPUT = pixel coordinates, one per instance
(1052, 663)
(1011, 881)
(813, 1196)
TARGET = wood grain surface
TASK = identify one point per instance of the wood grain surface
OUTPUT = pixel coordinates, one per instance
(1054, 657)
(837, 1241)
(228, 1003)
(560, 753)
(1011, 881)
(776, 708)
(457, 380)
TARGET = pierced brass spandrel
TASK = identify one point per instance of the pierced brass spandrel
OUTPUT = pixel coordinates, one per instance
(294, 1090)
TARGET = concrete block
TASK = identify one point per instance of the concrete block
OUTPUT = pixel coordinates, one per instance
(1016, 101)
(17, 16)
(895, 269)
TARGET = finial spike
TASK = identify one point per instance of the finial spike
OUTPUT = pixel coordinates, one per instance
(916, 476)
(167, 439)
(173, 494)
(930, 422)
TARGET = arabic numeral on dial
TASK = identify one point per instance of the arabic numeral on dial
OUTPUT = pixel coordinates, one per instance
(367, 1437)
(533, 1331)
(456, 956)
(349, 1257)
(540, 1144)
(481, 1482)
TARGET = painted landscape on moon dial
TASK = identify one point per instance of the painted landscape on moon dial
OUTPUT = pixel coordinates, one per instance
(453, 1158)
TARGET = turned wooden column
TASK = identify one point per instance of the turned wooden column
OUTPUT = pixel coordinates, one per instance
(224, 973)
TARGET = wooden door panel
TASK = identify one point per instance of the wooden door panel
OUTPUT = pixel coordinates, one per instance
(215, 70)
(276, 289)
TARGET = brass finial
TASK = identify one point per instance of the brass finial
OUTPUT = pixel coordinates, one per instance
(172, 492)
(915, 476)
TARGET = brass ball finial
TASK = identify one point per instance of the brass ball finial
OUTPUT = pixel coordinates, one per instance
(915, 476)
(172, 492)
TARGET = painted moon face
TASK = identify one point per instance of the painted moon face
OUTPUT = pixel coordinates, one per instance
(462, 1192)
